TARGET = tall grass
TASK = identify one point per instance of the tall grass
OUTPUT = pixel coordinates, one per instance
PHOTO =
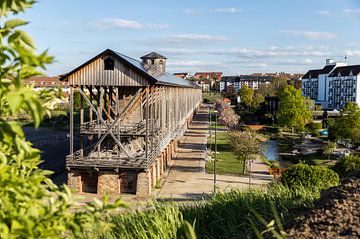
(228, 215)
(159, 221)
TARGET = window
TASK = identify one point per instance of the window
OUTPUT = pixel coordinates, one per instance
(161, 62)
(152, 62)
(109, 64)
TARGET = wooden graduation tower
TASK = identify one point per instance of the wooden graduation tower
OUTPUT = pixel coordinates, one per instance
(126, 127)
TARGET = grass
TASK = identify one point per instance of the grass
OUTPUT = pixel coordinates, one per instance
(226, 161)
(228, 215)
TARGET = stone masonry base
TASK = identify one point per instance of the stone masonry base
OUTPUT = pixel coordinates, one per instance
(111, 182)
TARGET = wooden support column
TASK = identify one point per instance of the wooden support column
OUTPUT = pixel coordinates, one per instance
(71, 121)
(99, 99)
(147, 125)
(81, 123)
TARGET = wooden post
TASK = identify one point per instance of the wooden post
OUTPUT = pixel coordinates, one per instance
(100, 116)
(147, 124)
(118, 110)
(81, 123)
(90, 109)
(71, 121)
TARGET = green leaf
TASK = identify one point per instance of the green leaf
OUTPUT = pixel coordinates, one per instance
(15, 23)
(26, 38)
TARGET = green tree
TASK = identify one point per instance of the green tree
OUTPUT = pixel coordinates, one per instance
(258, 99)
(246, 96)
(347, 125)
(31, 206)
(329, 148)
(244, 144)
(293, 112)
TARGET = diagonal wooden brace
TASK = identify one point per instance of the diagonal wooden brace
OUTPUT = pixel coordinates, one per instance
(103, 121)
(117, 119)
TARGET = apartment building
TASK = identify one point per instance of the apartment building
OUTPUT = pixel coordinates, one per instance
(333, 85)
(238, 82)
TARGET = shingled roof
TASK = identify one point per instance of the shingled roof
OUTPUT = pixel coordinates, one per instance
(151, 73)
(153, 55)
(345, 70)
(315, 73)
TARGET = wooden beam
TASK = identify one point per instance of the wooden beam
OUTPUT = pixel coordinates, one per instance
(71, 121)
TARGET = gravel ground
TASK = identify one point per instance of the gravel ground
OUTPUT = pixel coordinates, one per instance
(335, 215)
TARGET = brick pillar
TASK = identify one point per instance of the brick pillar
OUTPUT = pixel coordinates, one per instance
(108, 182)
(165, 163)
(162, 165)
(74, 180)
(154, 175)
(158, 167)
(143, 184)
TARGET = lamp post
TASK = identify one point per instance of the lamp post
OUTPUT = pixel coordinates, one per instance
(215, 152)
(210, 133)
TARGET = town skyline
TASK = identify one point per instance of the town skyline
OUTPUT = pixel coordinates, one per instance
(229, 36)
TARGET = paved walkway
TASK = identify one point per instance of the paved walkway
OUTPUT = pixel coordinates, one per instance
(187, 179)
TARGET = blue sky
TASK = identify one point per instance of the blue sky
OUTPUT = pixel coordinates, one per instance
(232, 36)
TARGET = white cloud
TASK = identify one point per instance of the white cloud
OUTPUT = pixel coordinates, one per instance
(272, 52)
(179, 51)
(352, 53)
(127, 24)
(193, 63)
(324, 13)
(352, 12)
(190, 11)
(226, 10)
(193, 37)
(312, 35)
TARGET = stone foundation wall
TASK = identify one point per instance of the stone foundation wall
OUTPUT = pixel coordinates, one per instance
(108, 182)
(74, 181)
(141, 183)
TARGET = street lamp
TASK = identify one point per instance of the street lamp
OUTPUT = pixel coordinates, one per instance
(215, 111)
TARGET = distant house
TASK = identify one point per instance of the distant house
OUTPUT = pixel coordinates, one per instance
(46, 82)
(208, 75)
(238, 82)
(225, 102)
(207, 79)
(183, 75)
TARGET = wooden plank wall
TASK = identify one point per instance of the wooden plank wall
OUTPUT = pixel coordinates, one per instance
(95, 75)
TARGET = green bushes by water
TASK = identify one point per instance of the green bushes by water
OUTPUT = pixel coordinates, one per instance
(347, 166)
(310, 176)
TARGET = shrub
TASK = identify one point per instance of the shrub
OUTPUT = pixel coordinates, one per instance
(314, 128)
(347, 166)
(310, 176)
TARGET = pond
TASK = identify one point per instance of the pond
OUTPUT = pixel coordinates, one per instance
(270, 150)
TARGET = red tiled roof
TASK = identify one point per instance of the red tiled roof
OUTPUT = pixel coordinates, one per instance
(208, 75)
(43, 81)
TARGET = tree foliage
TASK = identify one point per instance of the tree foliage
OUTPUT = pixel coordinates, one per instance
(329, 148)
(246, 96)
(244, 144)
(347, 125)
(31, 206)
(292, 109)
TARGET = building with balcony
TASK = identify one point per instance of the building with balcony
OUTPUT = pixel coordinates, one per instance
(332, 86)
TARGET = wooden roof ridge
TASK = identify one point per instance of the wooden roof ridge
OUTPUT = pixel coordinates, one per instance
(115, 54)
(153, 55)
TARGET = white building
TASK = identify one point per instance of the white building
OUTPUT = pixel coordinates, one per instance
(239, 81)
(333, 85)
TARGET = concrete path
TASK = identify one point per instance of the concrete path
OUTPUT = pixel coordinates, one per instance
(187, 179)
